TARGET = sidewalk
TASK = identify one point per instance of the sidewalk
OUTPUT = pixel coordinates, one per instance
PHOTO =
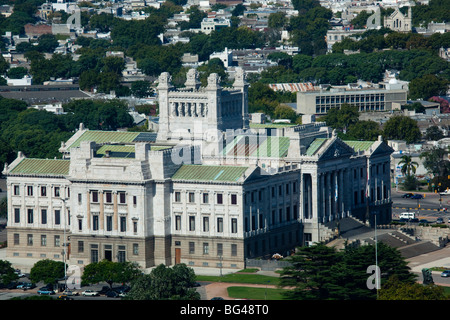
(438, 258)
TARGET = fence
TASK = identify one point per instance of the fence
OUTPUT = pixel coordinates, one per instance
(266, 265)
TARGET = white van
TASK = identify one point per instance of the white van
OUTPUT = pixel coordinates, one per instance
(407, 215)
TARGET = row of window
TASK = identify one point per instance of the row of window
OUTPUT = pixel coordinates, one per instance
(41, 191)
(205, 226)
(43, 240)
(219, 249)
(277, 216)
(44, 216)
(30, 217)
(205, 198)
(109, 223)
(107, 197)
(349, 99)
(367, 107)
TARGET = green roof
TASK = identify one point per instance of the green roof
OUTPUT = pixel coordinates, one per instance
(209, 173)
(258, 146)
(42, 167)
(271, 125)
(99, 136)
(314, 146)
(359, 145)
(356, 145)
(273, 147)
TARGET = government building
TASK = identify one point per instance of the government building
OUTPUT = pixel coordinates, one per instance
(208, 189)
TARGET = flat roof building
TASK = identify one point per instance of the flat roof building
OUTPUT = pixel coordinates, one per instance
(366, 99)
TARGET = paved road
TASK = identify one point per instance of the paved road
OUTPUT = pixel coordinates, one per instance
(427, 208)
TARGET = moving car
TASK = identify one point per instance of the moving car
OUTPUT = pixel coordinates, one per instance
(445, 273)
(417, 196)
(90, 293)
(45, 291)
(439, 220)
(407, 195)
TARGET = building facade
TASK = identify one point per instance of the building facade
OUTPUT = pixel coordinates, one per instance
(366, 99)
(210, 200)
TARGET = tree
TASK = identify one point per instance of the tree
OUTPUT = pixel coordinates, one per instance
(435, 162)
(402, 128)
(7, 273)
(285, 112)
(17, 73)
(141, 89)
(394, 289)
(427, 86)
(165, 283)
(408, 165)
(312, 273)
(48, 271)
(364, 130)
(238, 10)
(47, 43)
(434, 133)
(320, 272)
(277, 20)
(110, 272)
(343, 117)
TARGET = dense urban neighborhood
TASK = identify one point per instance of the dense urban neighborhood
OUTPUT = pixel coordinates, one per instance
(224, 150)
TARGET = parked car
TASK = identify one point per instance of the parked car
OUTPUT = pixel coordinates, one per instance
(71, 293)
(445, 273)
(12, 285)
(439, 220)
(104, 290)
(29, 286)
(112, 294)
(26, 286)
(45, 291)
(417, 196)
(90, 293)
(122, 289)
(407, 195)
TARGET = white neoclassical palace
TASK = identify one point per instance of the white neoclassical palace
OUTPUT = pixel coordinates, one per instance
(207, 190)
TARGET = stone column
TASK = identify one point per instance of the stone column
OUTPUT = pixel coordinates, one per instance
(88, 209)
(115, 214)
(102, 210)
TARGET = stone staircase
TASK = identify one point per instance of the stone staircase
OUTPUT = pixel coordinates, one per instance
(354, 233)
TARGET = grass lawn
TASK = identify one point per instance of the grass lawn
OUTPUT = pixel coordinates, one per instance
(241, 278)
(256, 293)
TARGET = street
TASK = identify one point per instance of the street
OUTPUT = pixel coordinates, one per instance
(427, 208)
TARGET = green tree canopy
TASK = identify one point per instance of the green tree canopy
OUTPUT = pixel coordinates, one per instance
(402, 128)
(110, 272)
(343, 117)
(165, 283)
(48, 271)
(320, 272)
(394, 289)
(408, 165)
(7, 273)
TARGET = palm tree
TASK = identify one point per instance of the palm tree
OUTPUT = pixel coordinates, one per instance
(408, 165)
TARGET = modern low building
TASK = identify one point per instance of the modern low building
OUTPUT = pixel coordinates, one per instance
(368, 99)
(211, 200)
